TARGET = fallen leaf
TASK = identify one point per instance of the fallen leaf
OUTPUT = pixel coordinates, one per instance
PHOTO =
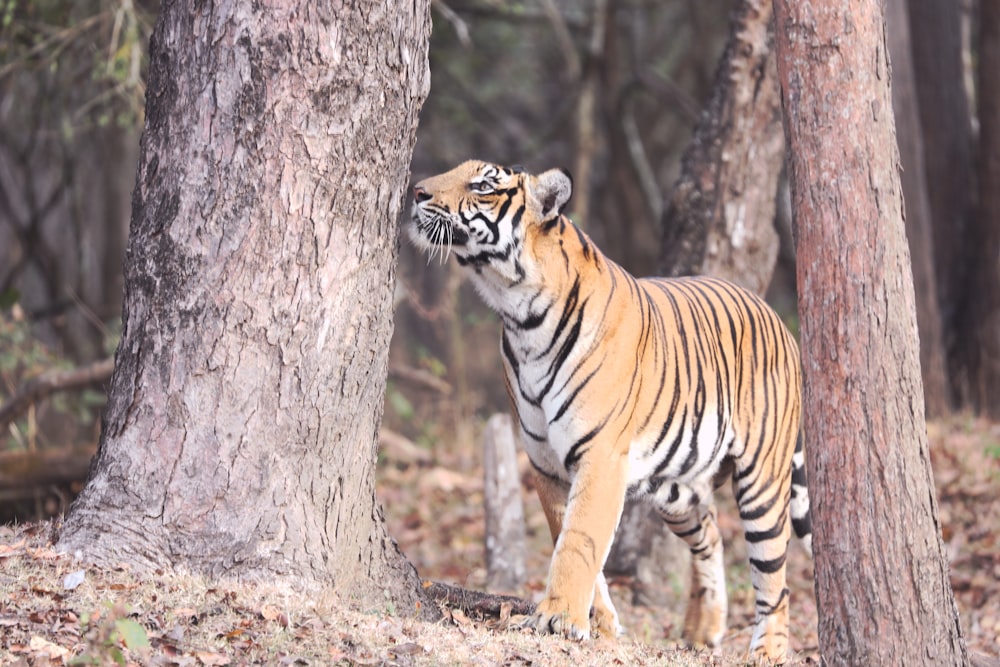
(74, 579)
(42, 645)
(272, 612)
(185, 612)
(10, 550)
(212, 659)
(409, 648)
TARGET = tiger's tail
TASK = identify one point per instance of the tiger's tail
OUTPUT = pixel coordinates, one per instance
(799, 507)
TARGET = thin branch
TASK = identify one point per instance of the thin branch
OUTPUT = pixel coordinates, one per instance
(670, 92)
(61, 39)
(419, 377)
(640, 161)
(457, 23)
(49, 383)
(502, 11)
(563, 38)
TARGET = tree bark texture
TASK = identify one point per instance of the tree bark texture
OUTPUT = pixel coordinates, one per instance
(917, 212)
(981, 316)
(240, 434)
(719, 221)
(882, 583)
(720, 218)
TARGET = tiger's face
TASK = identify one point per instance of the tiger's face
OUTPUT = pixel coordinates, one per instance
(480, 211)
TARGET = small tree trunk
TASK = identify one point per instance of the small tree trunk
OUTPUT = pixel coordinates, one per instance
(917, 211)
(587, 140)
(939, 74)
(980, 351)
(242, 421)
(881, 575)
(505, 532)
(720, 220)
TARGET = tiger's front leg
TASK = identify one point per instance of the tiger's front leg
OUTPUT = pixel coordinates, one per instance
(583, 526)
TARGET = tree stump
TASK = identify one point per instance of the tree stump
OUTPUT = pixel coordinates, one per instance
(505, 532)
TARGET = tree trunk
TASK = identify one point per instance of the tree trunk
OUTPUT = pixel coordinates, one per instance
(936, 40)
(980, 350)
(720, 222)
(241, 428)
(505, 531)
(720, 219)
(881, 575)
(917, 213)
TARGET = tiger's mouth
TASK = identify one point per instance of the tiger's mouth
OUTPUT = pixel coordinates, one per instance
(439, 229)
(436, 233)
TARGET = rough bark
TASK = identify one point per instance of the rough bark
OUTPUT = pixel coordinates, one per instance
(241, 428)
(917, 212)
(980, 319)
(720, 218)
(882, 583)
(719, 221)
(935, 28)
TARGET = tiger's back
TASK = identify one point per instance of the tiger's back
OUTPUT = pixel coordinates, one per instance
(625, 386)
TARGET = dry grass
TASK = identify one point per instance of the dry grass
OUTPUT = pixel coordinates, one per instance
(191, 621)
(435, 509)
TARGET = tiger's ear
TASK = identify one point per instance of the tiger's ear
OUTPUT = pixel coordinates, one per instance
(553, 189)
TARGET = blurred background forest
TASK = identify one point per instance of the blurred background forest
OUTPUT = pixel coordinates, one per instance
(614, 90)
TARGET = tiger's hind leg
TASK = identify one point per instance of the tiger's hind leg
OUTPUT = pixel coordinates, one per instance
(694, 521)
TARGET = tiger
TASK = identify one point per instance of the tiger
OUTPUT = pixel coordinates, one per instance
(656, 389)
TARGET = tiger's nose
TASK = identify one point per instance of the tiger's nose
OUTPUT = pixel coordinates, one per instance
(420, 195)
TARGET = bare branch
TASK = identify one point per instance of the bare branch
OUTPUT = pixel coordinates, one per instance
(563, 38)
(52, 382)
(460, 26)
(421, 378)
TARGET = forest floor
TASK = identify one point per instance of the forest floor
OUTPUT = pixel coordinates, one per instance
(54, 611)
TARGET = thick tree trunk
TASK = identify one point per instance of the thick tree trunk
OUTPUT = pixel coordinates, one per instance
(720, 222)
(917, 210)
(241, 428)
(980, 320)
(881, 575)
(720, 219)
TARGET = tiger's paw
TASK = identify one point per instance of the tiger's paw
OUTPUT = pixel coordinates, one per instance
(769, 645)
(704, 622)
(605, 621)
(606, 625)
(555, 619)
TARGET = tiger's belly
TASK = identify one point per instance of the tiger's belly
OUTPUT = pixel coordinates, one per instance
(686, 455)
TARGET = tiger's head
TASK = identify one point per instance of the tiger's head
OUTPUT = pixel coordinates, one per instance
(482, 212)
